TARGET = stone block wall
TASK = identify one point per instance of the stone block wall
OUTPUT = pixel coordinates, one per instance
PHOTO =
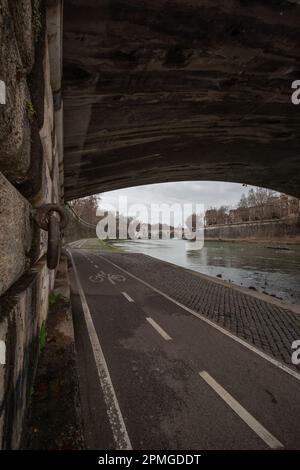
(31, 174)
(279, 231)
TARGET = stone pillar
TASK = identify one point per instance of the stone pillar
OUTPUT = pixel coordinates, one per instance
(31, 174)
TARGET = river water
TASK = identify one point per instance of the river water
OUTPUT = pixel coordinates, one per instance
(267, 269)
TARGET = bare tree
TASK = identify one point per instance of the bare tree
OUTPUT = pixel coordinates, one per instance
(243, 202)
(256, 197)
(86, 208)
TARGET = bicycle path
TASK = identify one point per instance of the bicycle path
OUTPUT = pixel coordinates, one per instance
(154, 376)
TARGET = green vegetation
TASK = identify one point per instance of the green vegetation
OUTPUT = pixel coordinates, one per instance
(54, 299)
(36, 18)
(30, 110)
(42, 337)
(103, 245)
(107, 246)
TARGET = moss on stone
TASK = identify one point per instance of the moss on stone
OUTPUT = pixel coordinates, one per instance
(30, 110)
(36, 18)
(42, 337)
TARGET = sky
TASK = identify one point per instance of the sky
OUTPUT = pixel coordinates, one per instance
(210, 194)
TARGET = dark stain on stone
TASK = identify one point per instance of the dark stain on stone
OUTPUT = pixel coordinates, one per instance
(73, 72)
(36, 80)
(175, 56)
(124, 57)
(235, 32)
(17, 389)
(32, 182)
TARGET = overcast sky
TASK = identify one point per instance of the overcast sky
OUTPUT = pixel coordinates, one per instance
(195, 192)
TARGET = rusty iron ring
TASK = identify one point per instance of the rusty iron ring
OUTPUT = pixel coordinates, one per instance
(42, 215)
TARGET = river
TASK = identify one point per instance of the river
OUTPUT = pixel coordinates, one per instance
(265, 268)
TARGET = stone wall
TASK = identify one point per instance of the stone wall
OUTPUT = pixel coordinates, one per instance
(281, 231)
(31, 174)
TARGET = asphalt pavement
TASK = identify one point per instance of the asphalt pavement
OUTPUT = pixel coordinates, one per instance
(155, 374)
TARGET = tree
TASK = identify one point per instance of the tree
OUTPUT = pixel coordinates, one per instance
(243, 202)
(86, 208)
(251, 198)
(263, 196)
(222, 213)
(256, 197)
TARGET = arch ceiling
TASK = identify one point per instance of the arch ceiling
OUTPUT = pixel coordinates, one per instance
(169, 90)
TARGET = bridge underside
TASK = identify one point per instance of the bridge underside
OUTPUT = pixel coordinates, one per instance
(169, 90)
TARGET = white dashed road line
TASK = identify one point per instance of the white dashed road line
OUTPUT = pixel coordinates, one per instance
(262, 432)
(82, 243)
(115, 417)
(127, 297)
(249, 346)
(158, 329)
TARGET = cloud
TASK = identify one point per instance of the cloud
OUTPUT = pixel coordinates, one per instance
(200, 192)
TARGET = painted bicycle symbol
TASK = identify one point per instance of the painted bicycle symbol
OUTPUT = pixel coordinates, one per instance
(112, 278)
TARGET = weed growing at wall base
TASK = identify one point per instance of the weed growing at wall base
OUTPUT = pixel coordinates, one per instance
(30, 110)
(42, 337)
(36, 18)
(54, 298)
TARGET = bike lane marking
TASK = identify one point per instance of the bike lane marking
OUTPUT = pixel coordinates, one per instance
(127, 297)
(114, 413)
(201, 317)
(158, 329)
(101, 276)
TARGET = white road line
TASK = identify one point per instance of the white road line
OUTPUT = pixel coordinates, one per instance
(249, 346)
(74, 244)
(116, 420)
(262, 432)
(159, 329)
(81, 243)
(127, 297)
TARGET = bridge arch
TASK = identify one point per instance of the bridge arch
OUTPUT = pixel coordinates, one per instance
(158, 91)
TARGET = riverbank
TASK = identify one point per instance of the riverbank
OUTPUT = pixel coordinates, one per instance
(267, 269)
(273, 232)
(281, 243)
(259, 267)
